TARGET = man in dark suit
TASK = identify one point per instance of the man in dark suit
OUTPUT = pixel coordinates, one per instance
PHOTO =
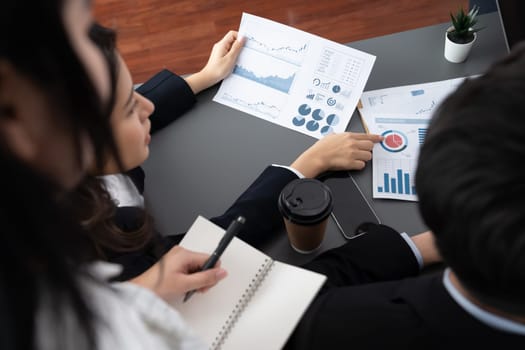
(472, 196)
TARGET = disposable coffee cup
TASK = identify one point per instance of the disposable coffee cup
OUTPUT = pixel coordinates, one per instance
(305, 205)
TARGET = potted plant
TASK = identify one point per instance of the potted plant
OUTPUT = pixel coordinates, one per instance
(461, 35)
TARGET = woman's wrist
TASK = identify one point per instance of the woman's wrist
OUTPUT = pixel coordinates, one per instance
(199, 81)
(309, 165)
(145, 279)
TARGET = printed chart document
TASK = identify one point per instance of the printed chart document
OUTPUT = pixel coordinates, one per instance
(295, 79)
(395, 158)
(256, 306)
(401, 115)
(408, 99)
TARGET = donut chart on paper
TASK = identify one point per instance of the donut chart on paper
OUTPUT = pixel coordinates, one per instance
(304, 109)
(395, 141)
(299, 120)
(332, 120)
(312, 125)
(318, 114)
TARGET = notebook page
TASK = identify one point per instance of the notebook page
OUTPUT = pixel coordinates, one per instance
(207, 312)
(275, 309)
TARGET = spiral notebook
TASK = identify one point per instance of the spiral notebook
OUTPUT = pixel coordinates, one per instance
(258, 304)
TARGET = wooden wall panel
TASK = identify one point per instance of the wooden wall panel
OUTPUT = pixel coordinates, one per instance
(179, 34)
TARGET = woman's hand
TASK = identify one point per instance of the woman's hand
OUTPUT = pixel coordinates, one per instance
(220, 64)
(344, 151)
(176, 274)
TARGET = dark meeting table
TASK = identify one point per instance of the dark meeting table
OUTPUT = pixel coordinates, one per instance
(204, 160)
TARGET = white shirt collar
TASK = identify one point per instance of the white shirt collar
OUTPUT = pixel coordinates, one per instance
(122, 190)
(491, 320)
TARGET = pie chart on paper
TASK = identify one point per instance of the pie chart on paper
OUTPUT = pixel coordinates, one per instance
(395, 141)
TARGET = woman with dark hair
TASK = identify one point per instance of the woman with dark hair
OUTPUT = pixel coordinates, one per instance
(55, 92)
(111, 206)
(43, 83)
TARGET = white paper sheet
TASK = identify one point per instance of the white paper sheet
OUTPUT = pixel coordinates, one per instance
(408, 99)
(251, 315)
(401, 114)
(395, 159)
(295, 79)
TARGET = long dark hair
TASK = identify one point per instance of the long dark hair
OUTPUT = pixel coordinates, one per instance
(94, 206)
(43, 246)
(96, 211)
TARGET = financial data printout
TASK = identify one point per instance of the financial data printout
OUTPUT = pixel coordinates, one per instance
(295, 79)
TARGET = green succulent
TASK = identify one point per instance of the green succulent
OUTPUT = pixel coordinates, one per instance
(463, 25)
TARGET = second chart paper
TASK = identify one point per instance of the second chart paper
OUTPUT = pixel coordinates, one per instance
(401, 115)
(295, 79)
(395, 158)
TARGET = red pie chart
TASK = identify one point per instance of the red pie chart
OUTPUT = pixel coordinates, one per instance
(395, 141)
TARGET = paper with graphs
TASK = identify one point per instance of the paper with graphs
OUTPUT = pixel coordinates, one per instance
(401, 115)
(295, 79)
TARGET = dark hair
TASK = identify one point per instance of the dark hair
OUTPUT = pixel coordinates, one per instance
(93, 204)
(471, 187)
(42, 246)
(96, 211)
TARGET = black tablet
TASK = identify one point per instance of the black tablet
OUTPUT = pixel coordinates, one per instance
(351, 208)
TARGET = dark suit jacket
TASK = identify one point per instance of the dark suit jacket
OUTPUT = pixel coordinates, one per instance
(374, 299)
(258, 204)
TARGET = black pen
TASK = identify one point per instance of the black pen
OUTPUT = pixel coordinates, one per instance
(232, 230)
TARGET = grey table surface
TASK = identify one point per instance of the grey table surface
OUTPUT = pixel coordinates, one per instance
(203, 161)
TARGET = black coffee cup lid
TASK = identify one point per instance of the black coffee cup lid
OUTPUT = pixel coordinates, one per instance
(306, 201)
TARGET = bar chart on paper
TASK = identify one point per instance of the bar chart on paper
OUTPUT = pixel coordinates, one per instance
(395, 177)
(395, 158)
(401, 115)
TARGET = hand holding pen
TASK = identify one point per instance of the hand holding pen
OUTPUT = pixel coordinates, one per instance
(231, 232)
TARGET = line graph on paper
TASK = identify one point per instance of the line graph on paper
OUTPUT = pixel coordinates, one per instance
(281, 44)
(428, 109)
(263, 70)
(273, 81)
(255, 105)
(290, 53)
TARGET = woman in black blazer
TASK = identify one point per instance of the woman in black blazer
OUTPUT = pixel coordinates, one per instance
(111, 205)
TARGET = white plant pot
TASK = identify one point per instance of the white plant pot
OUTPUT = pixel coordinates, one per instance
(455, 52)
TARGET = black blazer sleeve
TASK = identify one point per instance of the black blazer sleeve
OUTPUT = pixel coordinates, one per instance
(381, 254)
(258, 204)
(171, 95)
